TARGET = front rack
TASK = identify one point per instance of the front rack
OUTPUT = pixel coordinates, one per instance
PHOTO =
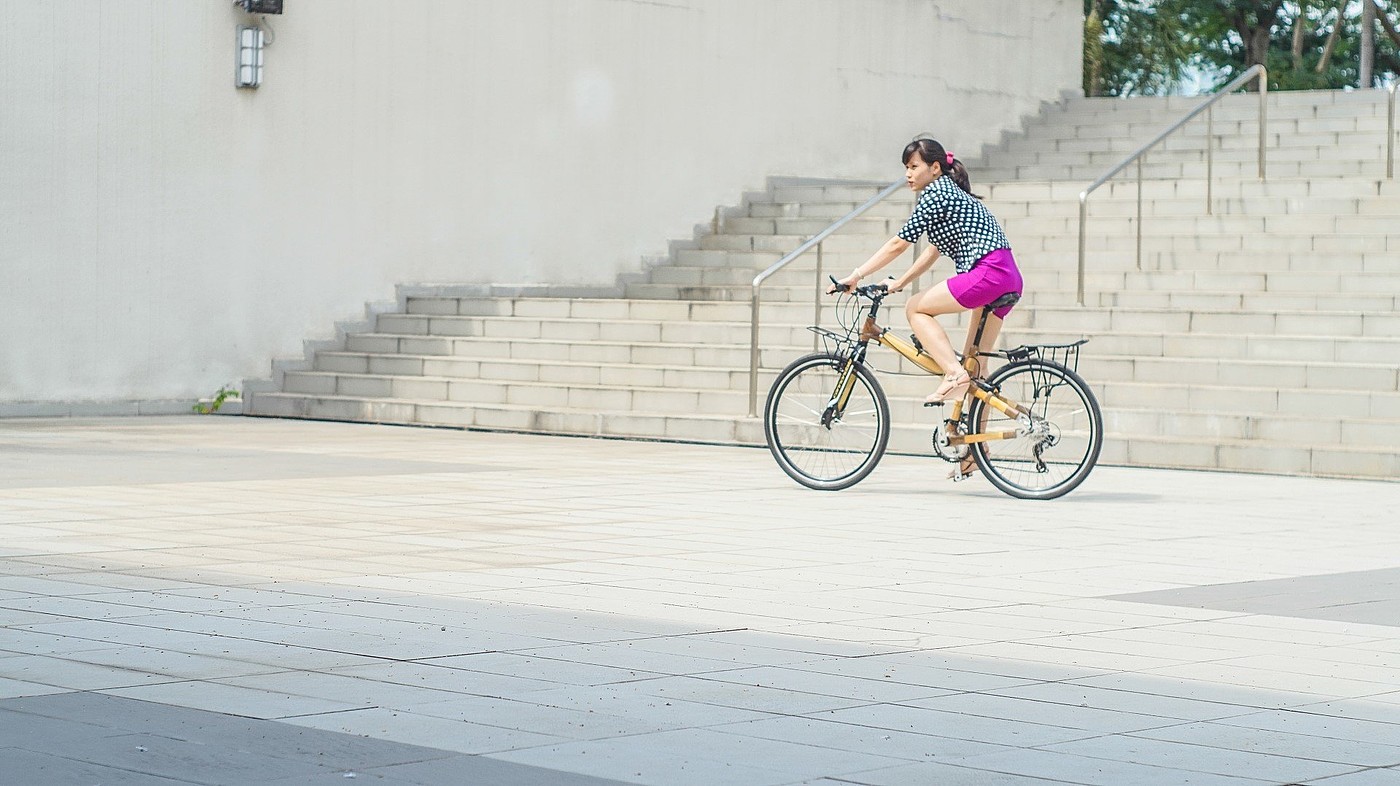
(833, 342)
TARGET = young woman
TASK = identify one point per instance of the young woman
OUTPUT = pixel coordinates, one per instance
(958, 226)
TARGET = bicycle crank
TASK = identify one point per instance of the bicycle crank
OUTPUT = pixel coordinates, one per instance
(943, 446)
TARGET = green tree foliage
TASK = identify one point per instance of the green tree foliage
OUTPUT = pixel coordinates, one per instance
(1132, 49)
(1144, 47)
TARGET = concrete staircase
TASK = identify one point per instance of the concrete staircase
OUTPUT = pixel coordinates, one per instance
(1263, 337)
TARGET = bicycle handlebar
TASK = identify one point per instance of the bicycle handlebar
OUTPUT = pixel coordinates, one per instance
(871, 291)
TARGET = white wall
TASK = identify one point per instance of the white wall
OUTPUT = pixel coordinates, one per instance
(162, 233)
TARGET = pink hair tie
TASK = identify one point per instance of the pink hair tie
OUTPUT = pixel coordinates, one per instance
(950, 158)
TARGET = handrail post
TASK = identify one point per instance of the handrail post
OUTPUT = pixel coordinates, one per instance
(1139, 213)
(1210, 160)
(1263, 118)
(817, 299)
(753, 355)
(1083, 215)
(1390, 134)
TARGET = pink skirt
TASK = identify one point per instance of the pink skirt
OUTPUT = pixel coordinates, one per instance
(990, 277)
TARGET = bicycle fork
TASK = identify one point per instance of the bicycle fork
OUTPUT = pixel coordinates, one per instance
(846, 382)
(840, 397)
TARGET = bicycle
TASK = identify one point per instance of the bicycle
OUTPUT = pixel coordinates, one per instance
(1033, 427)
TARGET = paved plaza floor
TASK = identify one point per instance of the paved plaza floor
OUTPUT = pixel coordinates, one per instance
(248, 601)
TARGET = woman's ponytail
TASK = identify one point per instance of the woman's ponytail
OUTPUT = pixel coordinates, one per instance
(958, 172)
(930, 151)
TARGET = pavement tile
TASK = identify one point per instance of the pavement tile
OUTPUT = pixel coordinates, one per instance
(795, 759)
(341, 688)
(642, 701)
(102, 715)
(26, 731)
(985, 705)
(797, 680)
(864, 739)
(10, 689)
(1078, 695)
(1199, 758)
(542, 666)
(177, 759)
(938, 773)
(1372, 708)
(424, 730)
(737, 695)
(449, 680)
(921, 720)
(524, 715)
(477, 769)
(1363, 752)
(906, 669)
(76, 675)
(633, 761)
(233, 699)
(27, 766)
(1388, 776)
(1304, 721)
(1055, 766)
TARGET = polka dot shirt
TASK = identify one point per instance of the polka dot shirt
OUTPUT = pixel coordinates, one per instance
(957, 224)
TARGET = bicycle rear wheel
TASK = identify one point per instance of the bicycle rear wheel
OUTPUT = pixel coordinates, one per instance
(1060, 435)
(817, 441)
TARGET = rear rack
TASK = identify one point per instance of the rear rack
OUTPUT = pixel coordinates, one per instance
(1066, 355)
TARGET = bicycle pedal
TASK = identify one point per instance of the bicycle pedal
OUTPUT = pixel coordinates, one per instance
(934, 403)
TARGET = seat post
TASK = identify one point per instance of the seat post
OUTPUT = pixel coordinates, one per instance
(975, 346)
(981, 326)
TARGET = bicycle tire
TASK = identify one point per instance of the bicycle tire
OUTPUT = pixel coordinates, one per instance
(1067, 425)
(840, 453)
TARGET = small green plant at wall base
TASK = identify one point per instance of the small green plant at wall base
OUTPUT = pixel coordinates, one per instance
(225, 393)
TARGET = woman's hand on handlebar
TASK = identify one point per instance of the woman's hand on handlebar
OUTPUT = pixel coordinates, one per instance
(844, 285)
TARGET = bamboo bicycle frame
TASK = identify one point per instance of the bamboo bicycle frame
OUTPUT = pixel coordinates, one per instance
(871, 331)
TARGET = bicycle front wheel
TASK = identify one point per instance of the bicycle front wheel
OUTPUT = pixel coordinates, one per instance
(827, 421)
(1058, 437)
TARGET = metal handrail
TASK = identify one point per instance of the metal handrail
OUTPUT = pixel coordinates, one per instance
(814, 241)
(1257, 71)
(1390, 134)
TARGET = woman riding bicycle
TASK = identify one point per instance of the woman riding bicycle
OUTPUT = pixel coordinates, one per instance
(959, 226)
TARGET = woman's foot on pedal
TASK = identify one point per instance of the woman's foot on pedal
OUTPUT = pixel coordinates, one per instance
(954, 387)
(964, 469)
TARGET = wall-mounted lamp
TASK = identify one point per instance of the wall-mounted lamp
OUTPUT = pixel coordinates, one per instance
(250, 56)
(248, 68)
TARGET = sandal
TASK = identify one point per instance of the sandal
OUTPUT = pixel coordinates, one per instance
(964, 469)
(954, 387)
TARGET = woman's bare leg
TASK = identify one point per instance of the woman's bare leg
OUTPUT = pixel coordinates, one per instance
(921, 311)
(989, 341)
(989, 338)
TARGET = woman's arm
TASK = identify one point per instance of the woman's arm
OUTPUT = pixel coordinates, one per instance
(920, 267)
(889, 252)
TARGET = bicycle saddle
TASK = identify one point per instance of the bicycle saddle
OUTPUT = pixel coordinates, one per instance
(1009, 299)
